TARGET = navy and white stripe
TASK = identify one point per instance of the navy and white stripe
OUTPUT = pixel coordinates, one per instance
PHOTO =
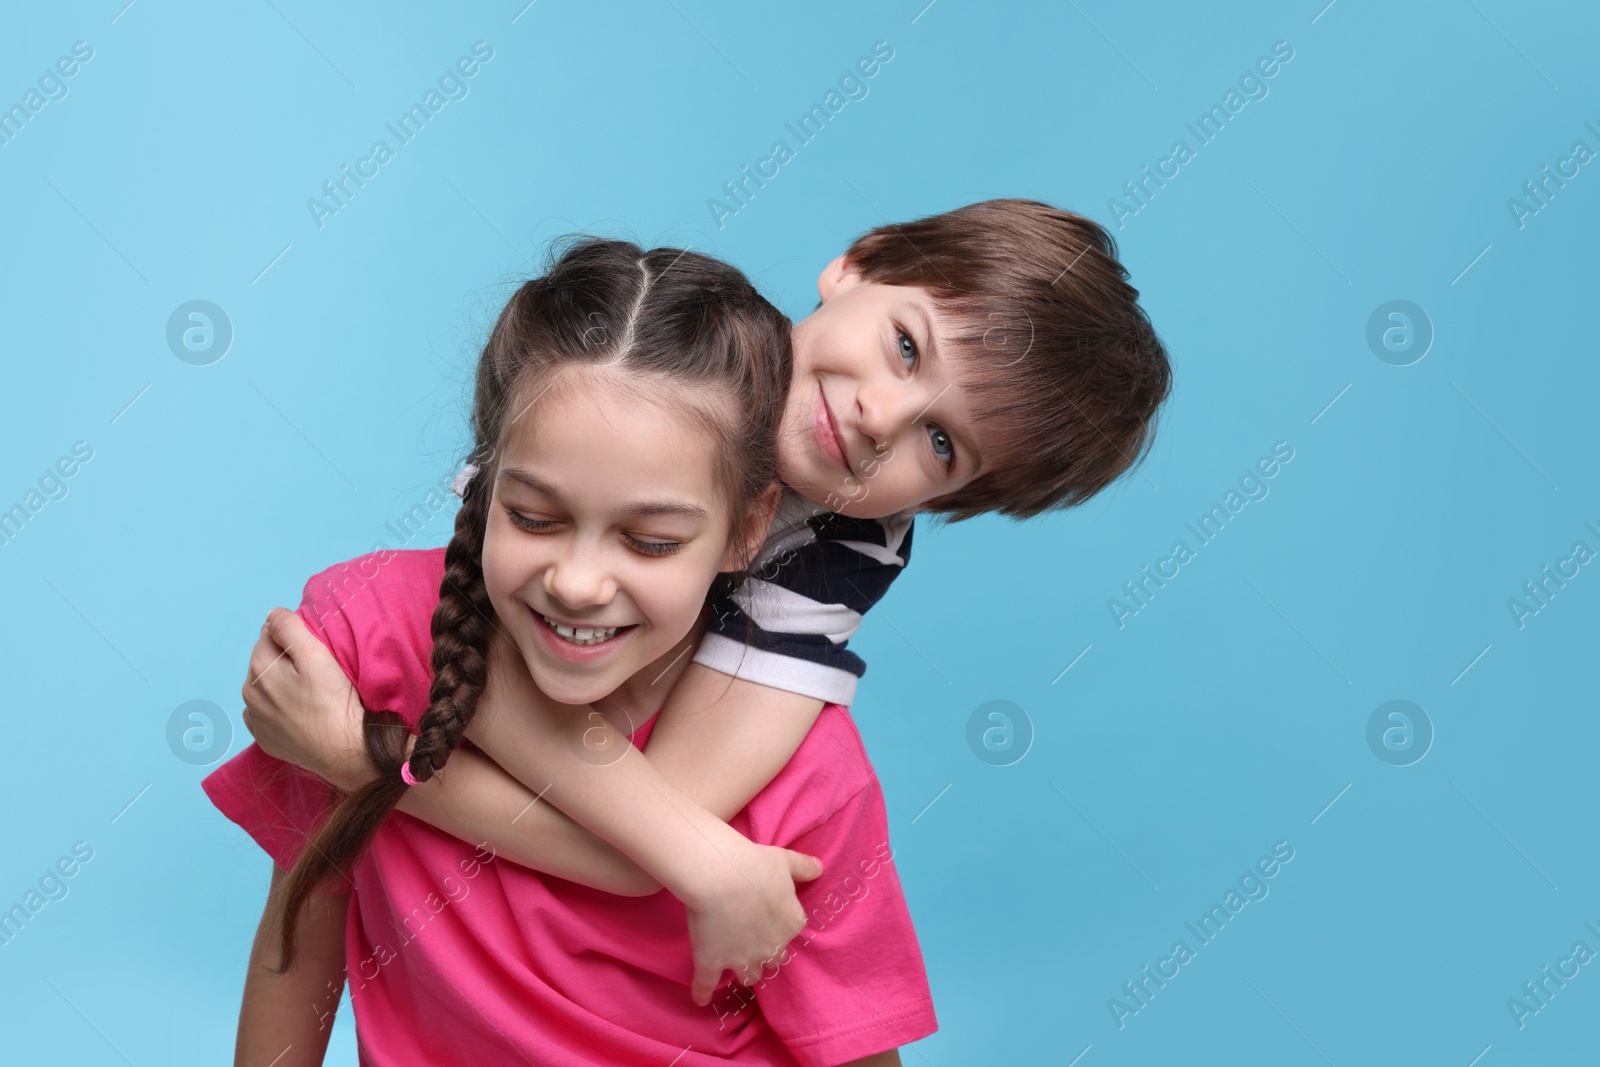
(818, 573)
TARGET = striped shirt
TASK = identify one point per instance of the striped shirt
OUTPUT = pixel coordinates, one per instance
(786, 625)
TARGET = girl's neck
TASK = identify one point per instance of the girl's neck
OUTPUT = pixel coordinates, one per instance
(632, 703)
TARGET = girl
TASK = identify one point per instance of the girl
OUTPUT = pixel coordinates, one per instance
(625, 402)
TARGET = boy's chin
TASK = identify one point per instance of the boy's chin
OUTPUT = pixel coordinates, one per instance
(871, 507)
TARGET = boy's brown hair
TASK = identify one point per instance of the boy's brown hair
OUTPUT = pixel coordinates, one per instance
(1063, 369)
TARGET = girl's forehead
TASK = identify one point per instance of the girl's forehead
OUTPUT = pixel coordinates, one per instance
(610, 385)
(616, 450)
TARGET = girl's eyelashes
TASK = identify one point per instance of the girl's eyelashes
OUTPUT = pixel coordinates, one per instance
(521, 520)
(648, 548)
(654, 548)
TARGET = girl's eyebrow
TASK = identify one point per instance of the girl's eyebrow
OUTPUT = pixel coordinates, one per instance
(636, 510)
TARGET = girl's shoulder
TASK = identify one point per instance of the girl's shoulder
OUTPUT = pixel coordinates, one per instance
(375, 613)
(826, 773)
(374, 585)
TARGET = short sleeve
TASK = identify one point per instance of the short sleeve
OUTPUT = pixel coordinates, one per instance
(788, 625)
(853, 982)
(278, 804)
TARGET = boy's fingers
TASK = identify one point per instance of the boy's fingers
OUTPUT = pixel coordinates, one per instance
(262, 656)
(249, 725)
(287, 629)
(705, 983)
(803, 868)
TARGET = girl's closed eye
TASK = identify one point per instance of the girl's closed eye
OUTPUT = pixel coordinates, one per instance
(648, 548)
(536, 525)
(654, 548)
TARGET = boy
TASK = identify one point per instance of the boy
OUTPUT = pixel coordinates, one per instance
(992, 358)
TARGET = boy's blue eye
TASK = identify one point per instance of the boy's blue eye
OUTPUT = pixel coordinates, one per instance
(906, 346)
(943, 447)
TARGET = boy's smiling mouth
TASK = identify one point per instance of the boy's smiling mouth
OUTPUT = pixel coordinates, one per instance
(829, 440)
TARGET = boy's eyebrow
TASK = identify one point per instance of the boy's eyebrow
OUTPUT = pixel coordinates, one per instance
(967, 456)
(637, 510)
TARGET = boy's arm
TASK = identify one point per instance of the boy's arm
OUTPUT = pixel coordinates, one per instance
(740, 896)
(286, 1019)
(302, 708)
(475, 799)
(722, 739)
(596, 776)
(767, 665)
(717, 743)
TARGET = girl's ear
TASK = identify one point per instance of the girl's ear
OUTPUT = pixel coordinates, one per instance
(840, 274)
(750, 535)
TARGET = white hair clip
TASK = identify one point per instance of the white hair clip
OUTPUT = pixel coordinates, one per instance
(459, 486)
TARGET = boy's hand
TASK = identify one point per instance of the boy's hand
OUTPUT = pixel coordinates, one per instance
(746, 915)
(300, 706)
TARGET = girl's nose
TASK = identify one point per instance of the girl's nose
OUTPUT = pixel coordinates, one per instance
(579, 581)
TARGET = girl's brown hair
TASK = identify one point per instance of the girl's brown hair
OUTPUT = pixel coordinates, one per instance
(649, 318)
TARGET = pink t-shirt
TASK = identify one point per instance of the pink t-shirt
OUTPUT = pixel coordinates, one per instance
(454, 956)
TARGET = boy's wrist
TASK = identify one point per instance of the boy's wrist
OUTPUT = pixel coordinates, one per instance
(704, 876)
(357, 770)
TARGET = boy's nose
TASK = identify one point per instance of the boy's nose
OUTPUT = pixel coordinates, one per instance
(885, 411)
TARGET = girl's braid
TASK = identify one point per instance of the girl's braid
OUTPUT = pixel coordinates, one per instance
(462, 628)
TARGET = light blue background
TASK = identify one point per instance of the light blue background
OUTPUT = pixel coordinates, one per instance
(1224, 717)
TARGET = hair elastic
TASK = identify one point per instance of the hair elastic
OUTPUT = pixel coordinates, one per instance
(406, 775)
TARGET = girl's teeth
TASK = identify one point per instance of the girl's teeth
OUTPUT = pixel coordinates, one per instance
(584, 636)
